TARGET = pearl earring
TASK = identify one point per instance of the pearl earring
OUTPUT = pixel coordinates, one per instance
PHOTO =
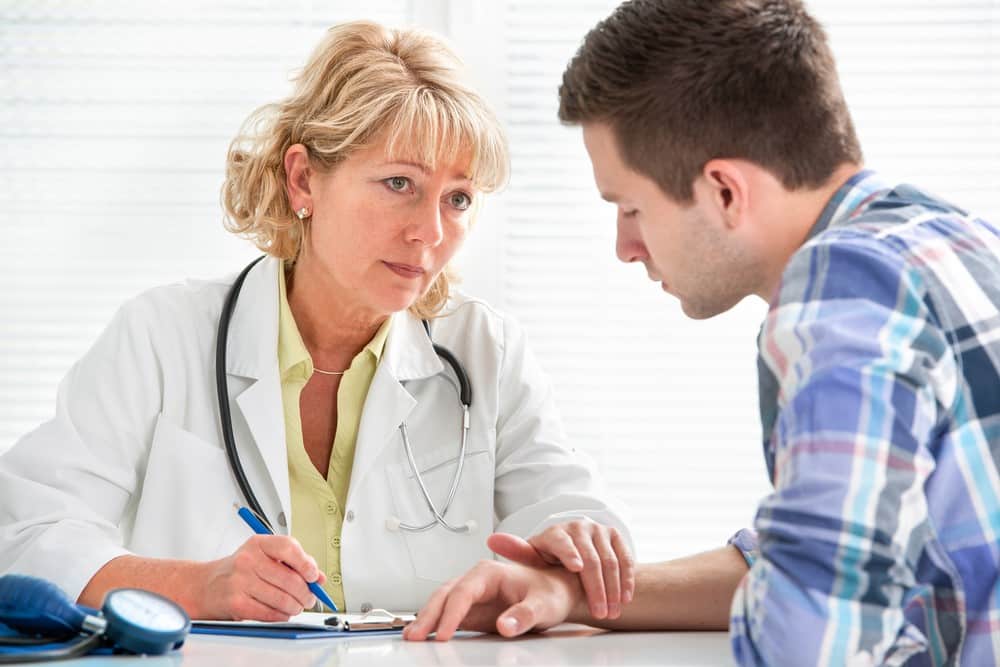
(302, 213)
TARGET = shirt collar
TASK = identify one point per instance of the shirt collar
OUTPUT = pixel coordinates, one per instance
(294, 359)
(377, 343)
(849, 199)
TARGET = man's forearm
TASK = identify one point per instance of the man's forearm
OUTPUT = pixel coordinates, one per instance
(179, 580)
(692, 593)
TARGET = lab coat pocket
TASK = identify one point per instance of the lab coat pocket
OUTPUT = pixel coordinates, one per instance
(185, 509)
(438, 554)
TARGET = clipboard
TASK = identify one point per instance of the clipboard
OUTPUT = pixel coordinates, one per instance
(372, 621)
(311, 625)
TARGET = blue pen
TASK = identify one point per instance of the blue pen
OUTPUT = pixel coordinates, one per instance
(259, 528)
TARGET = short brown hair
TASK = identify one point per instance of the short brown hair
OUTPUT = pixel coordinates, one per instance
(681, 82)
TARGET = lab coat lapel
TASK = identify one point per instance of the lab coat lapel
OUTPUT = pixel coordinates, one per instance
(255, 384)
(408, 355)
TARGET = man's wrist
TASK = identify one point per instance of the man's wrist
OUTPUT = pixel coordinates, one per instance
(579, 611)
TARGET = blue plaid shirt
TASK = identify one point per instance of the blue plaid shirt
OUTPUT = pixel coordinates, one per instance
(880, 401)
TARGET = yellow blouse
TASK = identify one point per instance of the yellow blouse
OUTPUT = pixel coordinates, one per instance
(318, 502)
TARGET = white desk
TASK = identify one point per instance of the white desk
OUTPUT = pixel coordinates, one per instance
(565, 645)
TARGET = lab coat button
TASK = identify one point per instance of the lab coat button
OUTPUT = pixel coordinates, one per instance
(336, 579)
(350, 515)
(331, 507)
(335, 542)
(282, 521)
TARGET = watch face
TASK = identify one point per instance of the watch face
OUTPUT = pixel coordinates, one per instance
(146, 610)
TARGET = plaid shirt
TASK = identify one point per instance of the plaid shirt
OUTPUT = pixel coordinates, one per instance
(880, 401)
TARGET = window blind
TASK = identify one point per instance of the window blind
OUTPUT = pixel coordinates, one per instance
(115, 121)
(665, 405)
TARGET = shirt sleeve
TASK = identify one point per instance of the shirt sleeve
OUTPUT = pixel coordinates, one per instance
(746, 541)
(861, 370)
(65, 486)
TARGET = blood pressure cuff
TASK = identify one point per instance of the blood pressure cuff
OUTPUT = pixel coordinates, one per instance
(15, 647)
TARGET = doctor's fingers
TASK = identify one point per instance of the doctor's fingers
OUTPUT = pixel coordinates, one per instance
(275, 599)
(286, 579)
(555, 546)
(516, 549)
(626, 561)
(288, 551)
(592, 576)
(608, 569)
(250, 609)
(611, 569)
(240, 595)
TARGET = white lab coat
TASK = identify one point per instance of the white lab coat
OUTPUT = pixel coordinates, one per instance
(133, 461)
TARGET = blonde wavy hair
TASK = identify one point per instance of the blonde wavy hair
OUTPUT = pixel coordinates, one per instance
(363, 83)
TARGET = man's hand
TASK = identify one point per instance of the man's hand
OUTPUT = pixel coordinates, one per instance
(264, 580)
(596, 552)
(506, 598)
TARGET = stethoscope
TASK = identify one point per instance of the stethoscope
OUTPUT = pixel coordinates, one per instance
(393, 523)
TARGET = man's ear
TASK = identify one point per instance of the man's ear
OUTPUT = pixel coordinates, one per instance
(297, 174)
(728, 189)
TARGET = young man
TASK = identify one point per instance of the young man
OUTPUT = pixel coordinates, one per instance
(720, 131)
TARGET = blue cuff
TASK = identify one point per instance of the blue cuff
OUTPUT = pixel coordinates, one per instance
(746, 541)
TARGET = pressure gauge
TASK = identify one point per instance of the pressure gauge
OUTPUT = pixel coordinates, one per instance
(144, 622)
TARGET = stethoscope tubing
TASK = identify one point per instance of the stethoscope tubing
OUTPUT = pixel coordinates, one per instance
(438, 516)
(229, 439)
(222, 387)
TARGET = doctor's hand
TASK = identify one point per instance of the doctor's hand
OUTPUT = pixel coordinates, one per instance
(506, 598)
(596, 552)
(264, 580)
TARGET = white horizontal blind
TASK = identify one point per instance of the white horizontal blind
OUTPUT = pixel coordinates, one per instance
(666, 405)
(115, 119)
(922, 78)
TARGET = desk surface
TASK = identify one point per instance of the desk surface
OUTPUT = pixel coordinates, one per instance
(565, 645)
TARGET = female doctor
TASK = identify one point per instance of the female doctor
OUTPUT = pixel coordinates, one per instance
(347, 423)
